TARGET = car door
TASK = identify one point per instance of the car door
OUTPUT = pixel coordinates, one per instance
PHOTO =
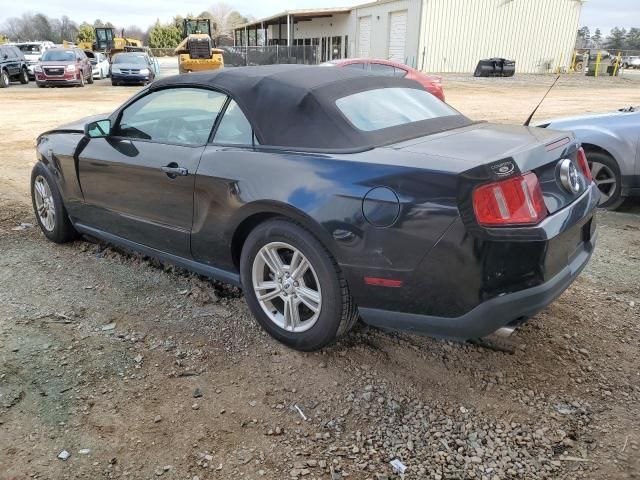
(219, 189)
(382, 69)
(14, 61)
(138, 181)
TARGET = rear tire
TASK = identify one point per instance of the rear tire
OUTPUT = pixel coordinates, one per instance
(24, 76)
(48, 206)
(606, 174)
(81, 80)
(90, 78)
(318, 294)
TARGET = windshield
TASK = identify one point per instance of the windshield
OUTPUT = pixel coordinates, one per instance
(135, 59)
(388, 107)
(30, 48)
(59, 56)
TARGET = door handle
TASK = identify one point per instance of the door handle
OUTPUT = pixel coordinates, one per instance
(173, 170)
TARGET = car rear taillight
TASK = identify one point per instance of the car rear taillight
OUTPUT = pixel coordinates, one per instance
(514, 201)
(584, 165)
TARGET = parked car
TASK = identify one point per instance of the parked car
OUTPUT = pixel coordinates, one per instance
(132, 68)
(63, 66)
(631, 61)
(328, 194)
(32, 52)
(99, 63)
(13, 66)
(387, 68)
(612, 144)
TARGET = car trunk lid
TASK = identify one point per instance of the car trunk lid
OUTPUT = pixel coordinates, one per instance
(493, 152)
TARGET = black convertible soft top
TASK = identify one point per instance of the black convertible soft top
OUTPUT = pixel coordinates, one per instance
(293, 106)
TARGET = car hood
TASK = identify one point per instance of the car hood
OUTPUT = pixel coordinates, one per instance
(483, 143)
(57, 63)
(597, 117)
(129, 66)
(32, 57)
(78, 125)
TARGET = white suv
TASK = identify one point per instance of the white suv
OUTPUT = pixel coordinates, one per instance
(631, 62)
(32, 52)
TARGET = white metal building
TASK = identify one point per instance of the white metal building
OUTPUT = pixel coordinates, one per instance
(432, 35)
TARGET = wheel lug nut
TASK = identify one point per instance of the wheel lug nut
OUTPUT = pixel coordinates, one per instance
(295, 284)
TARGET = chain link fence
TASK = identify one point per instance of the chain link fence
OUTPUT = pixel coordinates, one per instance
(270, 55)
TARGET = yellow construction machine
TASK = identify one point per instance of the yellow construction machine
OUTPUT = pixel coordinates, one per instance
(107, 42)
(197, 51)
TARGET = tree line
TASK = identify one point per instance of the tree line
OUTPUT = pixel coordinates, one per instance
(40, 27)
(619, 39)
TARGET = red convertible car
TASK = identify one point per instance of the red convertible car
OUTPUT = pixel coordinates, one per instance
(431, 83)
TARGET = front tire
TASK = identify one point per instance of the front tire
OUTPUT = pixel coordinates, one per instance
(90, 78)
(5, 80)
(294, 287)
(606, 174)
(48, 207)
(81, 79)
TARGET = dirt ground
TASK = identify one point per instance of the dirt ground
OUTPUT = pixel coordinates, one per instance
(141, 370)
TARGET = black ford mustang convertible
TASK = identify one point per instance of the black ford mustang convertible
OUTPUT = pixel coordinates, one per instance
(329, 195)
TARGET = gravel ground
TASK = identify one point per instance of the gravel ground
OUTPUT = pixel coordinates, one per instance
(140, 370)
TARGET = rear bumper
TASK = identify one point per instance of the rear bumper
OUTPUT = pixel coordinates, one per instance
(489, 316)
(472, 283)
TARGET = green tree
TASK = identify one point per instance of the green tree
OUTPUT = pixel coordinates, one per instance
(616, 40)
(596, 38)
(86, 33)
(583, 38)
(633, 39)
(164, 36)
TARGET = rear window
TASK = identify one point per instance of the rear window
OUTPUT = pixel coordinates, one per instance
(30, 48)
(59, 56)
(389, 107)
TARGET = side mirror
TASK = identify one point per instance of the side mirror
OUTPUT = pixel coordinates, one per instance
(98, 129)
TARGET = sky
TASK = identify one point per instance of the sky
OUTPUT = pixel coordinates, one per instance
(604, 14)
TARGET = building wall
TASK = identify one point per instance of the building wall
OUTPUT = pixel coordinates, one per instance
(380, 13)
(538, 34)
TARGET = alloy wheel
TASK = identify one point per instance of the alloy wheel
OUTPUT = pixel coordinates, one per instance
(5, 78)
(605, 179)
(286, 287)
(44, 203)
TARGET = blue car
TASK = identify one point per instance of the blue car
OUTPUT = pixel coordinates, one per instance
(133, 68)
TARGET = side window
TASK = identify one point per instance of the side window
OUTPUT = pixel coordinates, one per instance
(357, 66)
(380, 69)
(399, 72)
(234, 127)
(176, 116)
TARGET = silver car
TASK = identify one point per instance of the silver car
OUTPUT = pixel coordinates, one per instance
(632, 61)
(612, 144)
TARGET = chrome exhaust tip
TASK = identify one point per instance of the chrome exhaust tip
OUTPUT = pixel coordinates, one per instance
(504, 331)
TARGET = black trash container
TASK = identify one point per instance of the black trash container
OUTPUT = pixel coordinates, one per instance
(495, 67)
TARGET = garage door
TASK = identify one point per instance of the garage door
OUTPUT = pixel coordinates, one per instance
(364, 36)
(397, 35)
